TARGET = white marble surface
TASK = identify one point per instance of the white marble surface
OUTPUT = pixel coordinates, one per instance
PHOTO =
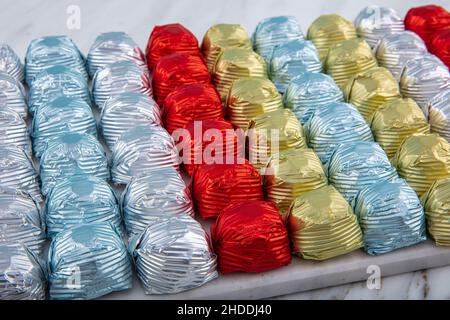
(23, 20)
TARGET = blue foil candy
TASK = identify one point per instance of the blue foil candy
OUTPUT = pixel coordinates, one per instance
(13, 130)
(12, 95)
(10, 63)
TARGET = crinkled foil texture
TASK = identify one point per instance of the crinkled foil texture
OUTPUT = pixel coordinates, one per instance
(12, 94)
(440, 45)
(439, 113)
(10, 63)
(13, 130)
(424, 20)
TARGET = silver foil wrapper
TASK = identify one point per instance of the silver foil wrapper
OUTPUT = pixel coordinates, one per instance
(172, 255)
(334, 124)
(12, 94)
(13, 130)
(10, 63)
(110, 47)
(438, 111)
(72, 154)
(87, 262)
(309, 91)
(391, 216)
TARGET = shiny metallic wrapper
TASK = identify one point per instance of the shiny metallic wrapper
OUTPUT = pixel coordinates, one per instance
(51, 51)
(422, 159)
(357, 165)
(125, 111)
(172, 255)
(79, 200)
(13, 130)
(390, 215)
(87, 262)
(12, 94)
(110, 47)
(396, 120)
(290, 174)
(72, 154)
(439, 113)
(158, 194)
(375, 22)
(141, 149)
(22, 274)
(63, 114)
(322, 225)
(334, 124)
(309, 91)
(10, 63)
(251, 97)
(290, 60)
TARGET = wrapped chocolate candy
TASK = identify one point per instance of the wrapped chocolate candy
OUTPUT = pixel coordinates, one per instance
(50, 51)
(79, 200)
(237, 63)
(87, 262)
(22, 274)
(438, 111)
(217, 185)
(12, 94)
(172, 255)
(69, 155)
(390, 215)
(333, 124)
(110, 47)
(63, 114)
(141, 149)
(357, 165)
(437, 210)
(223, 36)
(167, 39)
(191, 102)
(274, 31)
(290, 60)
(422, 159)
(322, 225)
(396, 120)
(13, 130)
(424, 20)
(328, 30)
(251, 97)
(290, 174)
(440, 45)
(10, 63)
(250, 236)
(308, 91)
(125, 111)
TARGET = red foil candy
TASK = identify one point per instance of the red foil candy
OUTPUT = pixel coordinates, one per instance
(440, 45)
(250, 237)
(217, 185)
(427, 19)
(167, 39)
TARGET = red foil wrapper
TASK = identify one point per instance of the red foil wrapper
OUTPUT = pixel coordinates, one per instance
(167, 39)
(251, 237)
(427, 19)
(215, 186)
(440, 45)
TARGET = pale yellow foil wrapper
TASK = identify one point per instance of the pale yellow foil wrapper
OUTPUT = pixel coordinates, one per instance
(322, 225)
(422, 159)
(328, 30)
(396, 120)
(249, 98)
(237, 63)
(436, 203)
(291, 173)
(347, 59)
(223, 36)
(370, 89)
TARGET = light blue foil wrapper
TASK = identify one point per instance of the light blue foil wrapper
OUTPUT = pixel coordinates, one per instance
(54, 82)
(357, 165)
(292, 59)
(140, 150)
(160, 193)
(81, 200)
(172, 255)
(391, 216)
(125, 111)
(13, 130)
(334, 124)
(10, 63)
(72, 154)
(439, 113)
(274, 31)
(110, 47)
(63, 114)
(87, 262)
(309, 91)
(22, 274)
(51, 51)
(12, 95)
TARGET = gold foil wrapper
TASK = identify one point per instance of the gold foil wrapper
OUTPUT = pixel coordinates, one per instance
(422, 159)
(249, 98)
(322, 225)
(396, 120)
